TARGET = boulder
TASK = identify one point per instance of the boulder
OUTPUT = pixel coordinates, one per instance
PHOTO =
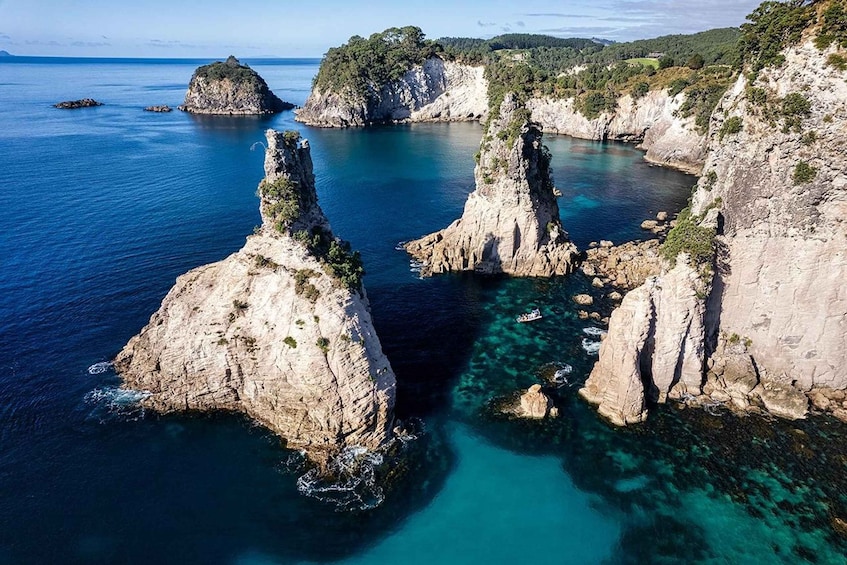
(534, 403)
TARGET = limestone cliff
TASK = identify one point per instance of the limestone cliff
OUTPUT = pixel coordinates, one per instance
(230, 88)
(510, 223)
(437, 90)
(770, 327)
(650, 120)
(280, 330)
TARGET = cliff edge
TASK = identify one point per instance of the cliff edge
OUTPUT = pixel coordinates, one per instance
(510, 223)
(280, 330)
(230, 88)
(435, 90)
(760, 321)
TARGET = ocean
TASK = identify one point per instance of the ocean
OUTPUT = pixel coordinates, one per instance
(102, 208)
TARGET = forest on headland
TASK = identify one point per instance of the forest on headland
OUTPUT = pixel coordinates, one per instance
(595, 74)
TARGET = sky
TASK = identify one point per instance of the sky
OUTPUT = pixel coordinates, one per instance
(285, 28)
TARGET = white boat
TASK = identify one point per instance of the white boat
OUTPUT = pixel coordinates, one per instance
(531, 316)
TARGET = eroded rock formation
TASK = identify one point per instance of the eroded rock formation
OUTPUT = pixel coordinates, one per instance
(230, 88)
(768, 329)
(510, 223)
(280, 330)
(437, 90)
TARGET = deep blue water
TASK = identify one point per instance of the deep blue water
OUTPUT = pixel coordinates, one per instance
(103, 208)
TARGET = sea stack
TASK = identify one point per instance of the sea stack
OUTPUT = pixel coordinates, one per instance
(510, 223)
(280, 330)
(750, 310)
(230, 88)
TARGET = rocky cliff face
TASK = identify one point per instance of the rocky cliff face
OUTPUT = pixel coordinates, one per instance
(271, 331)
(230, 88)
(668, 139)
(510, 223)
(438, 90)
(773, 320)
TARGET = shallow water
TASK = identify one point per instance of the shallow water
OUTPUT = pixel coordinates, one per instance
(102, 208)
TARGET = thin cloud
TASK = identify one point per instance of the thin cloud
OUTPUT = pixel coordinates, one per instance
(580, 31)
(170, 44)
(481, 23)
(4, 36)
(555, 15)
(520, 24)
(52, 43)
(90, 44)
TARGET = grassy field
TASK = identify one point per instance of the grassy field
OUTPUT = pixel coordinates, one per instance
(646, 62)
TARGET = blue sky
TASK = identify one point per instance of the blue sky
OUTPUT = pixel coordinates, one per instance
(284, 28)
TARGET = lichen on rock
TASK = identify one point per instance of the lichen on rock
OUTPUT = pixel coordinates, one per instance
(510, 223)
(272, 331)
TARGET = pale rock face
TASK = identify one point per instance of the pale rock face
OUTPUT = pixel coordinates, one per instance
(668, 140)
(654, 348)
(437, 90)
(236, 335)
(534, 403)
(786, 245)
(510, 223)
(773, 324)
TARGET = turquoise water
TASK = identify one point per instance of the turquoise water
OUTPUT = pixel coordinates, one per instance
(102, 209)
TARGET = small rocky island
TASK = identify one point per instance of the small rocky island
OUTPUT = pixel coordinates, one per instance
(281, 330)
(159, 109)
(74, 104)
(510, 223)
(230, 88)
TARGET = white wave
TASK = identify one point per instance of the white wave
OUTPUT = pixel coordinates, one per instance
(349, 481)
(591, 347)
(116, 402)
(401, 246)
(561, 375)
(592, 331)
(99, 368)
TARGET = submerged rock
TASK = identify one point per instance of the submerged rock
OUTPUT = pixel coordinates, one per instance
(74, 104)
(230, 88)
(510, 223)
(281, 330)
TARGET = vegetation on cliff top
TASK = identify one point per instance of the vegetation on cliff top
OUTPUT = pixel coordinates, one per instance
(362, 64)
(230, 69)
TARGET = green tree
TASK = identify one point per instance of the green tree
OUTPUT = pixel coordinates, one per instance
(695, 62)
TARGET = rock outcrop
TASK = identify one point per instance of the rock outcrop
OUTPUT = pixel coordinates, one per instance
(534, 403)
(654, 349)
(280, 330)
(74, 104)
(159, 109)
(230, 88)
(649, 120)
(510, 223)
(769, 329)
(437, 90)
